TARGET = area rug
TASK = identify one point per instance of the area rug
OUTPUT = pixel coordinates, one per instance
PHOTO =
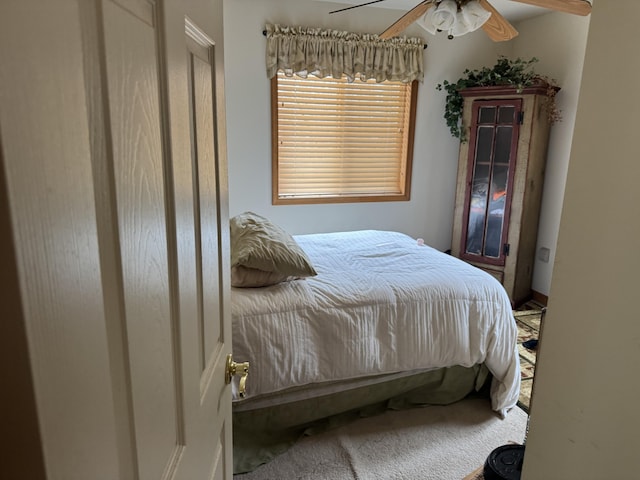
(528, 318)
(429, 443)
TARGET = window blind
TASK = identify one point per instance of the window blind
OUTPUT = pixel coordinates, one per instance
(336, 139)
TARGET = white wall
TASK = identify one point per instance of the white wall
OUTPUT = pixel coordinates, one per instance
(556, 39)
(559, 42)
(585, 415)
(429, 212)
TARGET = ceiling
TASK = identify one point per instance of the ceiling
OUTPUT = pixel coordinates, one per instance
(512, 11)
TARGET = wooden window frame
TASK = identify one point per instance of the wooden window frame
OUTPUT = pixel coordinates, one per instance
(406, 163)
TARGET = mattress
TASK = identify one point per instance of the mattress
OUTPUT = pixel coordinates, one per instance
(381, 304)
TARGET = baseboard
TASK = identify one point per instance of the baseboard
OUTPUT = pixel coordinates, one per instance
(539, 298)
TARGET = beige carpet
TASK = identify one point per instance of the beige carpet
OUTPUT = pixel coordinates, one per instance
(430, 443)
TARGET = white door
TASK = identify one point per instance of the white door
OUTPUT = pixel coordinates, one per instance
(113, 149)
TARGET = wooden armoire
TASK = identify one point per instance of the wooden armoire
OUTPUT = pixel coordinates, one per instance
(500, 178)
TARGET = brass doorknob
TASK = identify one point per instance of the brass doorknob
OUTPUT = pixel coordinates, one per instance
(233, 369)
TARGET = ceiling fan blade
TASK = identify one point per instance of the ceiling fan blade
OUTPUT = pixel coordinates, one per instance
(407, 19)
(577, 7)
(497, 27)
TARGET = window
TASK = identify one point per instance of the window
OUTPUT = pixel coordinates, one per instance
(335, 141)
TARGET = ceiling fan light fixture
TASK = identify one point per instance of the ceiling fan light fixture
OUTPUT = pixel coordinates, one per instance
(444, 15)
(460, 27)
(455, 19)
(426, 21)
(475, 16)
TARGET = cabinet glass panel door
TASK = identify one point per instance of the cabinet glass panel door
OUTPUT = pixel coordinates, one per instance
(493, 140)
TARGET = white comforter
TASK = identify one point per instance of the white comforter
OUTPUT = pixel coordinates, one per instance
(380, 304)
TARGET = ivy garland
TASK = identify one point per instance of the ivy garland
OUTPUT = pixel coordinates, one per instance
(518, 73)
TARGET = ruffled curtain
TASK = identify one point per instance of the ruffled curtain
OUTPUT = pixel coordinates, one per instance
(322, 53)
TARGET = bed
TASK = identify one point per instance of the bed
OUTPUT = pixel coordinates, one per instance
(381, 320)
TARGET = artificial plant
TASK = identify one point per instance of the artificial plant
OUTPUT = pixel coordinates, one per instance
(518, 73)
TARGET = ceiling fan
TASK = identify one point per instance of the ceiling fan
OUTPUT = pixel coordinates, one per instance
(495, 26)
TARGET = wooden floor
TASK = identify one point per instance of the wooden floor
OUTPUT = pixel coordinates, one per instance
(476, 474)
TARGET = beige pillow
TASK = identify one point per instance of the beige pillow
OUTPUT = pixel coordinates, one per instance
(267, 253)
(252, 277)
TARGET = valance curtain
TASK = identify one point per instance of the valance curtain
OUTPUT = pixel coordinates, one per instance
(323, 53)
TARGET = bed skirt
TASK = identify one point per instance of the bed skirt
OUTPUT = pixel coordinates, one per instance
(260, 435)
